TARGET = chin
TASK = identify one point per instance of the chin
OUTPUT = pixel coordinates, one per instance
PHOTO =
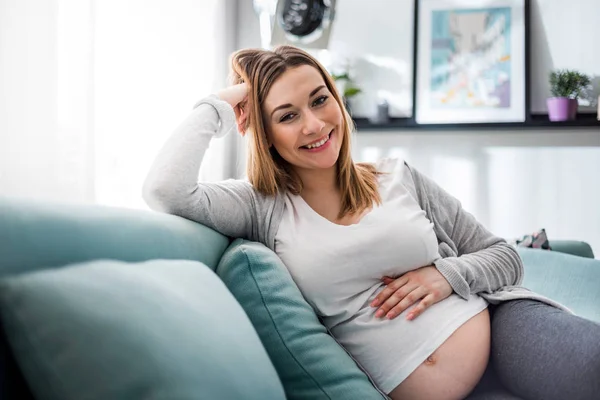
(321, 163)
(325, 161)
(324, 165)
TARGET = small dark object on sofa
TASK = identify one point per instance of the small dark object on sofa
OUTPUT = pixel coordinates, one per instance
(537, 240)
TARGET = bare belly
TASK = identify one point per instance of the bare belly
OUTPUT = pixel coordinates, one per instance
(455, 368)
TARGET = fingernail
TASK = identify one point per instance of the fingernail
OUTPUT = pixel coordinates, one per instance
(379, 313)
(390, 315)
(410, 316)
(375, 303)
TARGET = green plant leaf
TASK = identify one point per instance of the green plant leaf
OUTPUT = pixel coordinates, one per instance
(351, 91)
(567, 83)
(340, 77)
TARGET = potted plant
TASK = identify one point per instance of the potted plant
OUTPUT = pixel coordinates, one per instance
(565, 86)
(348, 88)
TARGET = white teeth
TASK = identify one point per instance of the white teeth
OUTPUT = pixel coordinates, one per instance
(318, 144)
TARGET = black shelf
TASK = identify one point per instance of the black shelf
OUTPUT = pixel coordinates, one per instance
(535, 121)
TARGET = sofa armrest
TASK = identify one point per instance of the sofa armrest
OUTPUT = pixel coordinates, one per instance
(570, 280)
(574, 247)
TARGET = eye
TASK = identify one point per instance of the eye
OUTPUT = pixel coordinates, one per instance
(320, 100)
(287, 117)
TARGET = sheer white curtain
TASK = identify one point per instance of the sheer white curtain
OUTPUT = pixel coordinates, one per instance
(90, 89)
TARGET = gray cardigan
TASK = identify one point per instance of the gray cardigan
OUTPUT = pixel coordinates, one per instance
(473, 260)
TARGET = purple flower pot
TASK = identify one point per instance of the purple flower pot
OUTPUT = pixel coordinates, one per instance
(562, 108)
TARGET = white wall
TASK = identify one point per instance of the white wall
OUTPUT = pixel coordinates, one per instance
(515, 182)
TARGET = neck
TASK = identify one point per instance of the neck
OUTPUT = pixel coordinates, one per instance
(318, 181)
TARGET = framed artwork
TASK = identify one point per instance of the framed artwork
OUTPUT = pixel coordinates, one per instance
(470, 61)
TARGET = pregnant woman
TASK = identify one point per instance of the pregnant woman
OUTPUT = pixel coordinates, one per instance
(420, 293)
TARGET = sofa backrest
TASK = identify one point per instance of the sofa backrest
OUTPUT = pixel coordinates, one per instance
(36, 235)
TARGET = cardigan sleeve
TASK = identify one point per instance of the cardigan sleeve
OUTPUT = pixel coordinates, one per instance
(172, 186)
(483, 262)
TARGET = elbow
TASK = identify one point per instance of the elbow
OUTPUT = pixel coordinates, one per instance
(520, 271)
(151, 196)
(156, 197)
(514, 259)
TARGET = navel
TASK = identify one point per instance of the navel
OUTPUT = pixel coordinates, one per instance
(431, 360)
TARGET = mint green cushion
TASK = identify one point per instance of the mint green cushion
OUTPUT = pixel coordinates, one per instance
(309, 361)
(162, 329)
(570, 280)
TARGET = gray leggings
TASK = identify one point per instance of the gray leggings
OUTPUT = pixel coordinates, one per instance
(540, 352)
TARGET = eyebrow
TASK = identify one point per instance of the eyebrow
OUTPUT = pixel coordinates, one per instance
(289, 105)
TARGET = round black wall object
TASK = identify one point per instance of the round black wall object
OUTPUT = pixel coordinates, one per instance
(302, 17)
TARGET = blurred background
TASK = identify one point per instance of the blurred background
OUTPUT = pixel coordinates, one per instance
(90, 90)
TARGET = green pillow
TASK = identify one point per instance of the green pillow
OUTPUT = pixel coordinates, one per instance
(161, 329)
(310, 363)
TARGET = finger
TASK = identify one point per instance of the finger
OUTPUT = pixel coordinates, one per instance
(387, 292)
(243, 125)
(395, 298)
(410, 299)
(240, 92)
(424, 304)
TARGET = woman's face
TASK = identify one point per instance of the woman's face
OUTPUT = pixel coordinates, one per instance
(303, 120)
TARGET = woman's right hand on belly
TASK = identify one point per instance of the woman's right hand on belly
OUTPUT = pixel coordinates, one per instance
(425, 286)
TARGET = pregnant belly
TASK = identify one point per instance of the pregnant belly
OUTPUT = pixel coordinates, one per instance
(454, 369)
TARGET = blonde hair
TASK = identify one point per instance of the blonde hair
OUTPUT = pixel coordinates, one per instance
(267, 171)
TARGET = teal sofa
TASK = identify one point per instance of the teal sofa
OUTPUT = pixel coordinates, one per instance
(39, 236)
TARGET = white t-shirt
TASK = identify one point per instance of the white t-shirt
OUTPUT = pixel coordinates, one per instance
(339, 268)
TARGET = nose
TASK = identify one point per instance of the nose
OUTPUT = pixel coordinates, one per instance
(312, 124)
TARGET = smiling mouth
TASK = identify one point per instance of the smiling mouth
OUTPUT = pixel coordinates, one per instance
(319, 143)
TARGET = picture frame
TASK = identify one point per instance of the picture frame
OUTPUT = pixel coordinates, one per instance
(470, 61)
